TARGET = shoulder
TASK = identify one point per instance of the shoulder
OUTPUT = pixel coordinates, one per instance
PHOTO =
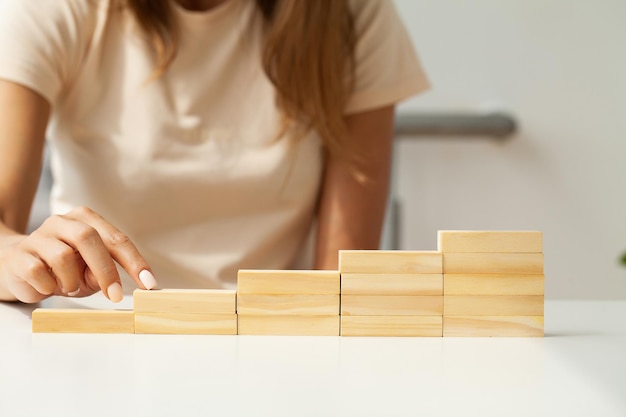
(373, 12)
(53, 9)
(387, 68)
(43, 41)
(378, 25)
(51, 15)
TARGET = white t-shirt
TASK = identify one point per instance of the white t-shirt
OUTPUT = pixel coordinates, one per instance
(185, 165)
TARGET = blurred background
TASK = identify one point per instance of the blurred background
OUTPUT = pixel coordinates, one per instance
(557, 69)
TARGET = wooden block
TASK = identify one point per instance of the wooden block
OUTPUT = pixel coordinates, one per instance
(83, 321)
(185, 323)
(493, 305)
(392, 326)
(490, 241)
(287, 325)
(390, 262)
(391, 305)
(293, 304)
(493, 263)
(185, 301)
(287, 282)
(493, 284)
(391, 284)
(493, 326)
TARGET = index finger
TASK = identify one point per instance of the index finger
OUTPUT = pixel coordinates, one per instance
(121, 248)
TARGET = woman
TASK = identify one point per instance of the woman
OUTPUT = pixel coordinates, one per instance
(214, 134)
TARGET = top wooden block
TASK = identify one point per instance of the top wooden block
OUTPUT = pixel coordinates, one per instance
(390, 262)
(185, 301)
(490, 241)
(274, 282)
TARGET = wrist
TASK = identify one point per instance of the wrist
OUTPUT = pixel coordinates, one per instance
(7, 242)
(5, 293)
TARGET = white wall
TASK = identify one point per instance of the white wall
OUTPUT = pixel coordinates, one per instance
(558, 66)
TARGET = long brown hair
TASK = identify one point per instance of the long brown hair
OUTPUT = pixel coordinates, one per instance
(308, 55)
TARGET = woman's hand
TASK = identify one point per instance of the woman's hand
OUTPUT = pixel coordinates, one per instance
(71, 255)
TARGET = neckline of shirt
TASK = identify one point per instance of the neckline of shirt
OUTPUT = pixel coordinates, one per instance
(201, 19)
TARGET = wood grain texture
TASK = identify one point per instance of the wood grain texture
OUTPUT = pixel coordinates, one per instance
(287, 282)
(493, 305)
(490, 241)
(185, 301)
(493, 326)
(82, 321)
(427, 326)
(390, 262)
(391, 284)
(493, 284)
(391, 305)
(493, 263)
(286, 325)
(292, 304)
(185, 323)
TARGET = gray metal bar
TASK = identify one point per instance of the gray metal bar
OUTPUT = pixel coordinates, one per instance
(496, 125)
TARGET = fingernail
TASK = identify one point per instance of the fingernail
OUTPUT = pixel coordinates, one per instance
(115, 292)
(147, 279)
(74, 293)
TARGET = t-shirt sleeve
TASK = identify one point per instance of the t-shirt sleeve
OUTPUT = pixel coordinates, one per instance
(42, 42)
(387, 68)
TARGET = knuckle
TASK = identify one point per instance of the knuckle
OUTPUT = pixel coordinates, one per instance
(51, 221)
(118, 238)
(109, 269)
(38, 273)
(36, 269)
(82, 211)
(86, 234)
(65, 256)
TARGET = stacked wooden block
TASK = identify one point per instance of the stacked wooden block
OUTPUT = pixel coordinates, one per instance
(169, 311)
(493, 283)
(185, 311)
(478, 283)
(391, 293)
(304, 303)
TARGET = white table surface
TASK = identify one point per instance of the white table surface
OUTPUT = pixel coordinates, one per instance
(578, 369)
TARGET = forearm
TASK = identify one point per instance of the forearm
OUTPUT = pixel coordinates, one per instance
(13, 220)
(350, 220)
(352, 203)
(23, 122)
